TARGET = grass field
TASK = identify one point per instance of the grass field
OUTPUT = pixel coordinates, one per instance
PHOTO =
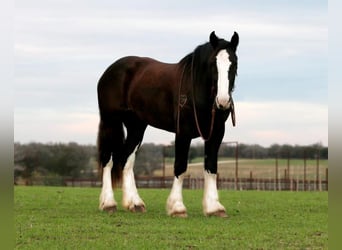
(68, 218)
(261, 168)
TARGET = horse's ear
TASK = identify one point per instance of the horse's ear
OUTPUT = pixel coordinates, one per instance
(234, 41)
(213, 39)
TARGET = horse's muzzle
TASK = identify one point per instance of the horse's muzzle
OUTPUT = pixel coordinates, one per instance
(223, 103)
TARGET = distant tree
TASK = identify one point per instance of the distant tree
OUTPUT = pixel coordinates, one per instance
(148, 159)
(169, 151)
(274, 150)
(68, 159)
(63, 159)
(192, 154)
(76, 160)
(30, 157)
(324, 153)
(227, 150)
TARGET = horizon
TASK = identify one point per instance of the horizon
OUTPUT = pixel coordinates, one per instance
(195, 144)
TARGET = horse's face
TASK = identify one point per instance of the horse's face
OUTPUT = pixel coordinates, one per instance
(226, 68)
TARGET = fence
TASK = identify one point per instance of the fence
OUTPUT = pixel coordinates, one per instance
(239, 184)
(281, 184)
(305, 174)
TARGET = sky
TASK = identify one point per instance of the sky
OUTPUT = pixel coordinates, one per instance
(61, 49)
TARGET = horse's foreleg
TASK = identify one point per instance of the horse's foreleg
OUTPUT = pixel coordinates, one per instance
(131, 199)
(211, 203)
(175, 205)
(107, 201)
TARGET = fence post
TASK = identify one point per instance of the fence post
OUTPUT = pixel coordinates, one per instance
(318, 186)
(305, 184)
(164, 185)
(326, 178)
(288, 171)
(276, 173)
(236, 166)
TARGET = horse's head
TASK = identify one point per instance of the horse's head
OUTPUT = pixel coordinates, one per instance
(225, 68)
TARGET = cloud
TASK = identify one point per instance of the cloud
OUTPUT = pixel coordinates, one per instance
(281, 122)
(48, 125)
(261, 123)
(61, 50)
(68, 29)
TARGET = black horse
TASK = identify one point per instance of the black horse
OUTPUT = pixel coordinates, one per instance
(191, 98)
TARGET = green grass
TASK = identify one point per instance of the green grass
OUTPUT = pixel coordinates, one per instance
(68, 218)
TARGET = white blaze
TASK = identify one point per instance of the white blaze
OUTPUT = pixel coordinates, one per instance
(223, 64)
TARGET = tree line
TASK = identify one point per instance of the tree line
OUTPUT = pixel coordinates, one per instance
(80, 161)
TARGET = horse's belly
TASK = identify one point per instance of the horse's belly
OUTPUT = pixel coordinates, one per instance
(157, 119)
(152, 94)
(156, 108)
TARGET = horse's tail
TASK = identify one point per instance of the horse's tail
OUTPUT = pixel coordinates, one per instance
(110, 141)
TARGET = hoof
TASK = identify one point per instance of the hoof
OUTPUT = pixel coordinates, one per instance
(110, 210)
(179, 214)
(107, 203)
(220, 213)
(138, 209)
(176, 209)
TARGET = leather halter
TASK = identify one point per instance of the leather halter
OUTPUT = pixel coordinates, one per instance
(182, 99)
(213, 110)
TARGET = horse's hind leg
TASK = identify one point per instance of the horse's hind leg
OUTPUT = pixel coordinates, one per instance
(135, 132)
(107, 201)
(110, 137)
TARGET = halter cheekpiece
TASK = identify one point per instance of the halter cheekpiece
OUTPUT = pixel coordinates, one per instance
(182, 100)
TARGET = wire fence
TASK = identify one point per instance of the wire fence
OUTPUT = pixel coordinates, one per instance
(266, 184)
(280, 173)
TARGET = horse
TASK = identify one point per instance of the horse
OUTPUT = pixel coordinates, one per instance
(191, 98)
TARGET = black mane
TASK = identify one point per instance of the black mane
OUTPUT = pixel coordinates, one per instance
(197, 65)
(201, 54)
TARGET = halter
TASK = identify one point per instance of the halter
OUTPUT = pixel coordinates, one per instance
(182, 100)
(213, 110)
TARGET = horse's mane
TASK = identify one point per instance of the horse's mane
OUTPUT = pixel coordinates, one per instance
(197, 63)
(195, 59)
(196, 70)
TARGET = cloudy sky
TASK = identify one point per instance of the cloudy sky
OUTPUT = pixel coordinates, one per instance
(62, 47)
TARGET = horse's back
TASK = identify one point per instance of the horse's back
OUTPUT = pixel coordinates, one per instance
(124, 70)
(121, 68)
(138, 84)
(114, 82)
